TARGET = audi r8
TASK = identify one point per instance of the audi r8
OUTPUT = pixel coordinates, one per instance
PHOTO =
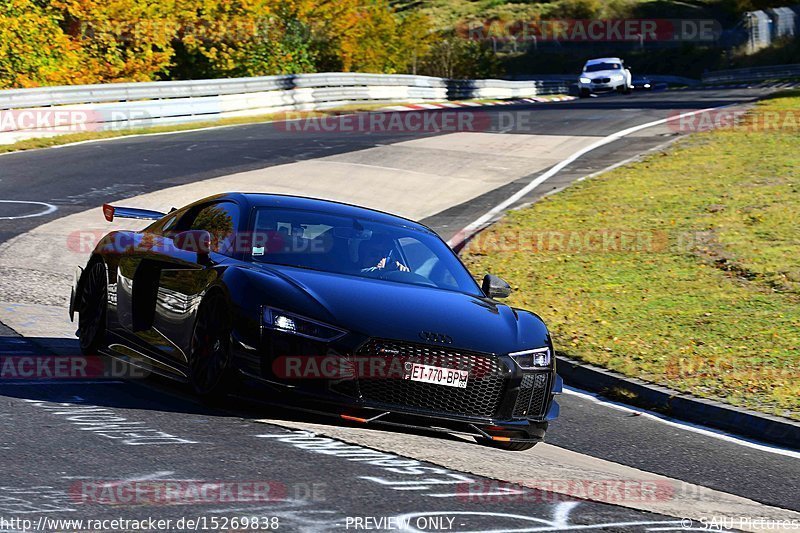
(325, 306)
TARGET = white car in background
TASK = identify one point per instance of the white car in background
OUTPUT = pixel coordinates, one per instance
(604, 75)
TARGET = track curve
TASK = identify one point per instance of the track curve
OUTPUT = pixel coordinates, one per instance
(468, 173)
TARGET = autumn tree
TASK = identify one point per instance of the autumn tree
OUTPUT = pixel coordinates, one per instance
(33, 48)
(46, 42)
(453, 56)
(122, 40)
(248, 38)
(364, 35)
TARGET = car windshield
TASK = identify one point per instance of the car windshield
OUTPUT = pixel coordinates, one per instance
(597, 67)
(357, 247)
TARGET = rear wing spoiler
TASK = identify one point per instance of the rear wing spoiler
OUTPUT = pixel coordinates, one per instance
(110, 211)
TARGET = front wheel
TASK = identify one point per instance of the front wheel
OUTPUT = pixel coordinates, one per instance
(91, 308)
(210, 361)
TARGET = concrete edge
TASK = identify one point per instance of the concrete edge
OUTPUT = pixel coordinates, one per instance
(683, 406)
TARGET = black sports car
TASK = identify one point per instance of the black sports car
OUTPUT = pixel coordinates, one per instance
(642, 83)
(335, 308)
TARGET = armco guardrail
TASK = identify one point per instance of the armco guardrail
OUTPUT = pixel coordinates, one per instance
(462, 89)
(752, 74)
(57, 110)
(123, 92)
(656, 78)
(672, 80)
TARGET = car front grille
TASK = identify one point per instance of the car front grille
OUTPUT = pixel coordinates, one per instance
(533, 394)
(601, 80)
(481, 397)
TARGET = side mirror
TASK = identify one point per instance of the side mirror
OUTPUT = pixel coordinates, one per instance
(495, 287)
(194, 240)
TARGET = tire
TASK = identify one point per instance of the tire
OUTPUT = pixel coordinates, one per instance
(93, 299)
(584, 93)
(508, 446)
(210, 361)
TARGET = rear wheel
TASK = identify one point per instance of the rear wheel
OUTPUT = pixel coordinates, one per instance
(210, 356)
(509, 446)
(92, 302)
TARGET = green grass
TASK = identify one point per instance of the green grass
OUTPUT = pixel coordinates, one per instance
(703, 294)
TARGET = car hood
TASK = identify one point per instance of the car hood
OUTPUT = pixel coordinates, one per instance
(602, 74)
(393, 310)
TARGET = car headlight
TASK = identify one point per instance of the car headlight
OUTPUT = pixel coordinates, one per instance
(616, 77)
(585, 80)
(536, 358)
(297, 325)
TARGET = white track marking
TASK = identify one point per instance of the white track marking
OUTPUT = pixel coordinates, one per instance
(549, 463)
(609, 168)
(688, 426)
(477, 224)
(48, 208)
(631, 159)
(159, 475)
(562, 512)
(686, 525)
(467, 231)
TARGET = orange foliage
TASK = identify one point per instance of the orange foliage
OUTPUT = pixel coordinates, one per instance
(95, 41)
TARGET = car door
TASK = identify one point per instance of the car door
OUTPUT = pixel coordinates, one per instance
(144, 246)
(168, 283)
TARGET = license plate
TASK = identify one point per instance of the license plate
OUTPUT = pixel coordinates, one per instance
(438, 375)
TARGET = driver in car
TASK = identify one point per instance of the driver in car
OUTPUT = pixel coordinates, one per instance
(375, 253)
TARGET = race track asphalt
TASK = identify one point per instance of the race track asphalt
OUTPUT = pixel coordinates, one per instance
(46, 455)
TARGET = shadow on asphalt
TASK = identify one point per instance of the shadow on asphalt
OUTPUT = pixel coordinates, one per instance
(30, 371)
